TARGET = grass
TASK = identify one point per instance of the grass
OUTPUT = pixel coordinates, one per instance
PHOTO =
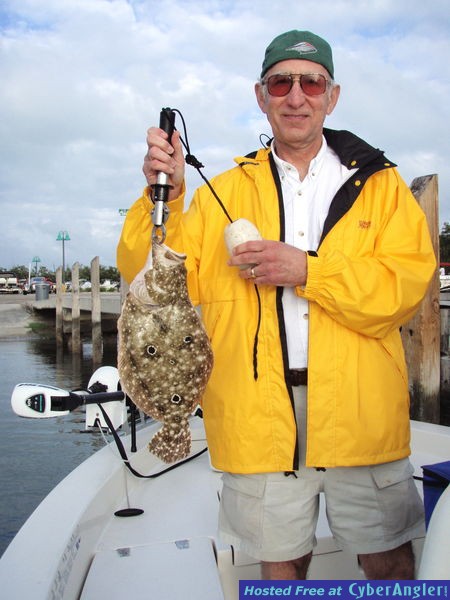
(38, 327)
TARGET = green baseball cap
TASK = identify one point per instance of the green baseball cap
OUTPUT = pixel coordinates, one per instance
(298, 44)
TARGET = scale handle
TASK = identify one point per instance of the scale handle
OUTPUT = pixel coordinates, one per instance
(167, 121)
(167, 124)
(160, 211)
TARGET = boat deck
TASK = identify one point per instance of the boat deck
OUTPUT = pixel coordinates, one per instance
(167, 551)
(183, 534)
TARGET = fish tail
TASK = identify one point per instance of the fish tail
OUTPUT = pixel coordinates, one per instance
(170, 447)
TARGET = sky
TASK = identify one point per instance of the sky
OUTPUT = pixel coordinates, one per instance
(83, 80)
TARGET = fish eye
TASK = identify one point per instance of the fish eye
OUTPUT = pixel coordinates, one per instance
(188, 339)
(176, 399)
(151, 350)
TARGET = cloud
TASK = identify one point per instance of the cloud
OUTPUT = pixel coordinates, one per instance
(82, 80)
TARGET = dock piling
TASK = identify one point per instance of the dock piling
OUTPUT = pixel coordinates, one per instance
(422, 335)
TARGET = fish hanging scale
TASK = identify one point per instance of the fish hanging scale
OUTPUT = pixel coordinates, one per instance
(164, 354)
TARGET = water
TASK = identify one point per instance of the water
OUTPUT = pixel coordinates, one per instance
(35, 454)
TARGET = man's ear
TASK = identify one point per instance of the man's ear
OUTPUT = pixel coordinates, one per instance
(334, 97)
(260, 97)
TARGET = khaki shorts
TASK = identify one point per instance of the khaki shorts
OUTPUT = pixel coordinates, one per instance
(273, 517)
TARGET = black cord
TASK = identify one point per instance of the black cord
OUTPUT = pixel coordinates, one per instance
(265, 140)
(194, 162)
(126, 460)
(255, 340)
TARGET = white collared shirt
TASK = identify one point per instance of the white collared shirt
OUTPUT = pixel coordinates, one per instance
(306, 205)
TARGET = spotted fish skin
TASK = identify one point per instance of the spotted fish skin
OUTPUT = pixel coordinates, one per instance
(164, 354)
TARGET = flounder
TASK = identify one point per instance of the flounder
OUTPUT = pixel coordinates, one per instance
(164, 354)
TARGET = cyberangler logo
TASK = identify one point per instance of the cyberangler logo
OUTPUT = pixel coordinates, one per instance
(303, 48)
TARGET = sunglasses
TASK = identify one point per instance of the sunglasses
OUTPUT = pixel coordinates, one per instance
(312, 84)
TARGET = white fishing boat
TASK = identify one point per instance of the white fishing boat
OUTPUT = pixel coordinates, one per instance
(105, 533)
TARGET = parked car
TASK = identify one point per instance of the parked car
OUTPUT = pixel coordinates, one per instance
(31, 287)
(52, 285)
(109, 286)
(9, 284)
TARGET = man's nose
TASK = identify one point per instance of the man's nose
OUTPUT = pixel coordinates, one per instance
(296, 94)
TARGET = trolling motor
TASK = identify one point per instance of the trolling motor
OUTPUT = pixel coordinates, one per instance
(160, 212)
(39, 401)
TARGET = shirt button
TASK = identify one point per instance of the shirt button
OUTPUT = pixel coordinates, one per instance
(306, 316)
(301, 233)
(299, 193)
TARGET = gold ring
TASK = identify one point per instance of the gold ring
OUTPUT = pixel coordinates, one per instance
(252, 272)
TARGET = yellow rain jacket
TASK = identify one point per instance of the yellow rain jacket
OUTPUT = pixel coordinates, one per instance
(371, 271)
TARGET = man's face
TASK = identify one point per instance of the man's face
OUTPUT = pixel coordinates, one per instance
(297, 118)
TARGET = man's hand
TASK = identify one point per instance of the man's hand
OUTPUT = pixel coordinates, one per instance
(164, 157)
(274, 263)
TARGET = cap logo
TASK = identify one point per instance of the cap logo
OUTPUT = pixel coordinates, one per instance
(303, 48)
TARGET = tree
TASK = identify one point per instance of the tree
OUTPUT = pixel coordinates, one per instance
(444, 243)
(111, 273)
(20, 271)
(85, 272)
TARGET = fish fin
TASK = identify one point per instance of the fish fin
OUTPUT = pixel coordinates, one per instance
(171, 447)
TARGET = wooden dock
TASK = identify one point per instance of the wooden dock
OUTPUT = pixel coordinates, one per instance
(94, 309)
(109, 303)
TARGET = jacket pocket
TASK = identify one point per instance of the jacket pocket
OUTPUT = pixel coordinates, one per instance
(242, 504)
(394, 348)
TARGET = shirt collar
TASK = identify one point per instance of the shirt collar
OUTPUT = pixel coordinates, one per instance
(285, 168)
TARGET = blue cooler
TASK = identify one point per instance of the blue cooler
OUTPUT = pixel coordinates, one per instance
(435, 479)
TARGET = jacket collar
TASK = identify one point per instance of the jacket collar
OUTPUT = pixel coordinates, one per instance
(353, 152)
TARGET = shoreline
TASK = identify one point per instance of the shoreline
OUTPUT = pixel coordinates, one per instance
(15, 320)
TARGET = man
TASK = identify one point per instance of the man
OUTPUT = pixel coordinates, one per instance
(317, 402)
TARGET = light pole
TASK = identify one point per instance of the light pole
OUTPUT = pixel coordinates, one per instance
(63, 236)
(36, 260)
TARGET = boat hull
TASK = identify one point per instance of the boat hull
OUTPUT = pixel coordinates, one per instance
(60, 547)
